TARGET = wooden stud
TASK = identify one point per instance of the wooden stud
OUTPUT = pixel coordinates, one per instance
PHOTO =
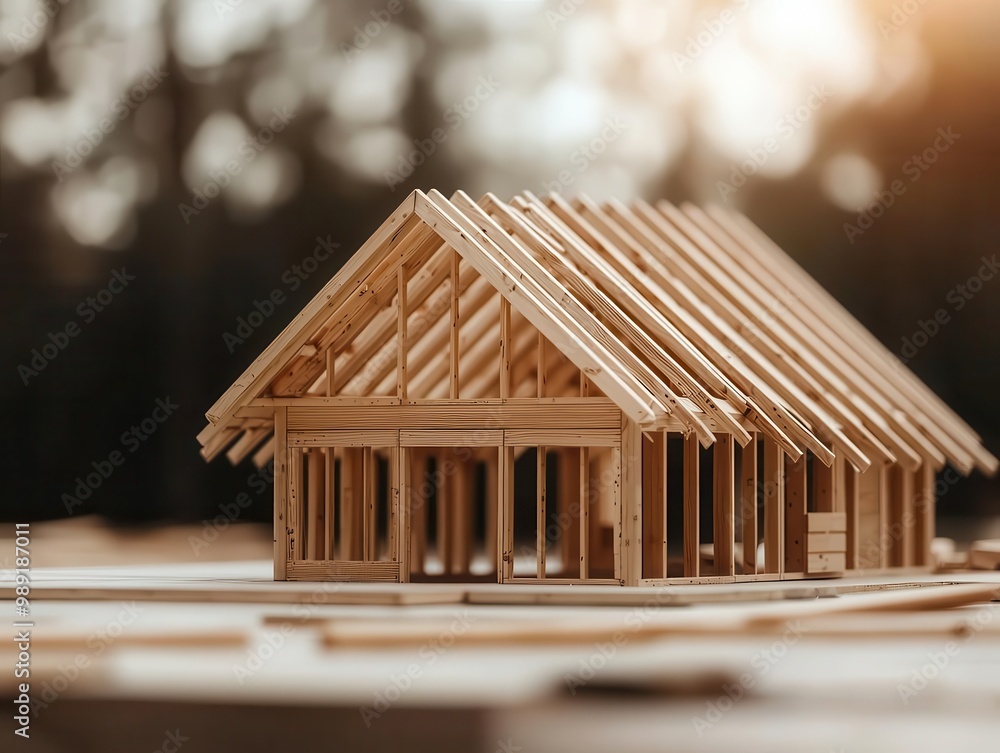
(852, 508)
(454, 350)
(504, 348)
(296, 520)
(567, 498)
(418, 503)
(924, 516)
(631, 502)
(654, 505)
(774, 514)
(282, 552)
(315, 505)
(542, 513)
(748, 506)
(584, 513)
(329, 499)
(824, 481)
(796, 480)
(692, 503)
(402, 314)
(723, 467)
(507, 505)
(492, 510)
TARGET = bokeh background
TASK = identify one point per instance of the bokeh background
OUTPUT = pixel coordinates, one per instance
(119, 119)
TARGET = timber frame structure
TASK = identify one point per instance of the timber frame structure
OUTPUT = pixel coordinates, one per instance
(562, 392)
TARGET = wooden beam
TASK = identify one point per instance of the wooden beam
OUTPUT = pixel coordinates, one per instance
(724, 535)
(507, 505)
(504, 347)
(852, 508)
(748, 506)
(924, 516)
(296, 546)
(453, 349)
(542, 513)
(329, 499)
(282, 552)
(315, 505)
(796, 481)
(402, 314)
(631, 484)
(692, 502)
(774, 514)
(654, 505)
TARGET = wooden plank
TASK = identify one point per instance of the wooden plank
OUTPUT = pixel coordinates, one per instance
(824, 481)
(565, 413)
(370, 523)
(315, 505)
(492, 511)
(504, 348)
(901, 517)
(451, 437)
(402, 314)
(418, 501)
(852, 511)
(345, 572)
(541, 512)
(584, 513)
(796, 480)
(507, 505)
(826, 522)
(462, 482)
(723, 465)
(329, 499)
(282, 552)
(826, 563)
(774, 514)
(296, 545)
(402, 549)
(345, 438)
(924, 516)
(692, 554)
(631, 493)
(453, 345)
(654, 505)
(817, 543)
(748, 506)
(562, 437)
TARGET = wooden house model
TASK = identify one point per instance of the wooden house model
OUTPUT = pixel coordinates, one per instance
(554, 391)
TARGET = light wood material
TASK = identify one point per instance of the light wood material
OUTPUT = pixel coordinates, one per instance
(748, 506)
(692, 557)
(723, 464)
(796, 482)
(282, 552)
(774, 513)
(654, 505)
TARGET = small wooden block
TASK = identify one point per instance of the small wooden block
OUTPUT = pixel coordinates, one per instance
(827, 542)
(827, 562)
(827, 522)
